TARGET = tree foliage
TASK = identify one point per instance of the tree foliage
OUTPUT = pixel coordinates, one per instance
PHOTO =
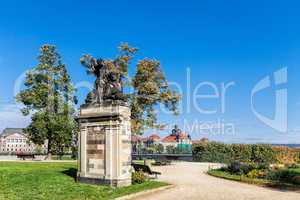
(286, 155)
(160, 148)
(149, 87)
(171, 149)
(49, 98)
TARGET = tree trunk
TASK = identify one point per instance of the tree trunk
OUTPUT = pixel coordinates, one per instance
(49, 154)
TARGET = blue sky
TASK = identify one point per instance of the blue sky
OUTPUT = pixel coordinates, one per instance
(218, 41)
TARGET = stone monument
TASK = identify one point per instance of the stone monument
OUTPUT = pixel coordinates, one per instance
(105, 133)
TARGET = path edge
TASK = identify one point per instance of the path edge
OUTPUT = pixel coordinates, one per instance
(143, 193)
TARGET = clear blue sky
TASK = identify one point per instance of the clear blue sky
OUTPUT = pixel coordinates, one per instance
(219, 41)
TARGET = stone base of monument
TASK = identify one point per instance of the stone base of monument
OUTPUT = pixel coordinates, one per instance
(105, 145)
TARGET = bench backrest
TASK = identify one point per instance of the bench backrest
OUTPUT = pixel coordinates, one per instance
(144, 168)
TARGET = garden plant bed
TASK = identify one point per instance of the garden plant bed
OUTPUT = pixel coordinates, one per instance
(219, 173)
(43, 181)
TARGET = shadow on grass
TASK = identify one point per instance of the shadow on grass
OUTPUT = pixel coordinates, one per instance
(72, 172)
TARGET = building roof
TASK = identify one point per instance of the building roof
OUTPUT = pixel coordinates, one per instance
(10, 131)
(169, 138)
(173, 138)
(154, 137)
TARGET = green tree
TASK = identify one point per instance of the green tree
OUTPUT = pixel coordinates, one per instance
(151, 149)
(160, 148)
(263, 153)
(171, 149)
(49, 98)
(149, 87)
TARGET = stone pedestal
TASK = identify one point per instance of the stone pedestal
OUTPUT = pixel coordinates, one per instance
(105, 145)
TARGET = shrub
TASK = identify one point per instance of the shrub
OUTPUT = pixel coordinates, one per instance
(240, 168)
(138, 177)
(225, 153)
(294, 166)
(286, 155)
(253, 174)
(298, 155)
(262, 174)
(241, 152)
(212, 152)
(296, 180)
(262, 154)
(263, 166)
(276, 167)
(285, 175)
(171, 149)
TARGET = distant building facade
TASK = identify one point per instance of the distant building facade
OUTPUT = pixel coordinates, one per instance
(14, 141)
(176, 140)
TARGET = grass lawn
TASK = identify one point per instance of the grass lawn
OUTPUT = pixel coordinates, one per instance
(261, 182)
(41, 181)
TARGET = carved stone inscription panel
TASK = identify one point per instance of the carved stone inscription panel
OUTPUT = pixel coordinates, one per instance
(95, 154)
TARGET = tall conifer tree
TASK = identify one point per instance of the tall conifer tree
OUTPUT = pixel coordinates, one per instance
(49, 98)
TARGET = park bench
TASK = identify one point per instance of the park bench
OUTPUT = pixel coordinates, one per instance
(26, 156)
(146, 169)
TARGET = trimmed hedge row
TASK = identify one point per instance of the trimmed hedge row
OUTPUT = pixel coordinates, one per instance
(227, 153)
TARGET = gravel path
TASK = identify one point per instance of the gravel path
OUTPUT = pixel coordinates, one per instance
(191, 183)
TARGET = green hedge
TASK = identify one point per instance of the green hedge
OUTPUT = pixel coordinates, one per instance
(227, 153)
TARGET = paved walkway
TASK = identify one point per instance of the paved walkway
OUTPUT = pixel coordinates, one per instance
(191, 183)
